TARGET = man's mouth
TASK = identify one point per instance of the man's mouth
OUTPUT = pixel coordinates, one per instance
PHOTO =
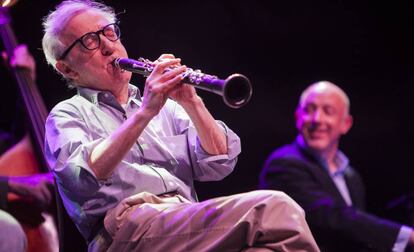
(317, 133)
(114, 67)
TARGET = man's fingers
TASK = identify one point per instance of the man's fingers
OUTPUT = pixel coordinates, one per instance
(4, 57)
(163, 65)
(172, 73)
(166, 56)
(42, 195)
(163, 57)
(167, 86)
(47, 195)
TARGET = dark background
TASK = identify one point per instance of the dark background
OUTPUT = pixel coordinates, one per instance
(366, 47)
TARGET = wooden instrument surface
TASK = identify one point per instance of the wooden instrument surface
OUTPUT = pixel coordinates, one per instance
(21, 158)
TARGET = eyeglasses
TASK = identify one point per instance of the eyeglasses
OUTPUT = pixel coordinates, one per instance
(92, 40)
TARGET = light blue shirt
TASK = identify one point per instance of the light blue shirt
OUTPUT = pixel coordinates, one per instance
(167, 156)
(338, 177)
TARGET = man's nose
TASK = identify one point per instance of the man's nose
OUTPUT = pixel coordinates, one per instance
(317, 116)
(107, 46)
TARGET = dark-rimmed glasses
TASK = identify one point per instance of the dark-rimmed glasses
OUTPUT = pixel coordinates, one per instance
(92, 40)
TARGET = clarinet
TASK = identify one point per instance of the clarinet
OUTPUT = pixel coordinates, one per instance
(236, 89)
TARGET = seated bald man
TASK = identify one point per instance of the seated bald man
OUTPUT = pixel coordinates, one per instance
(317, 175)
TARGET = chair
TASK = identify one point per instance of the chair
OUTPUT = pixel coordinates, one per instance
(69, 237)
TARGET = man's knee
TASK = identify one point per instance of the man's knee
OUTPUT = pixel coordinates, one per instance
(12, 236)
(281, 199)
(283, 220)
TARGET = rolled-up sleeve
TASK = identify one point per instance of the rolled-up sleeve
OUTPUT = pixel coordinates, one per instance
(207, 167)
(216, 167)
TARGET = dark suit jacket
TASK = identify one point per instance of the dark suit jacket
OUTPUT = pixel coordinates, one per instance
(336, 226)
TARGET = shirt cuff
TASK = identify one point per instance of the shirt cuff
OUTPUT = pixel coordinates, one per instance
(402, 239)
(233, 147)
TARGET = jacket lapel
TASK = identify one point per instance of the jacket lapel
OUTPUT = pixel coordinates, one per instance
(321, 174)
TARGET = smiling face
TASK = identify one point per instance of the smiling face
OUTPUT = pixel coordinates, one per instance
(92, 68)
(322, 117)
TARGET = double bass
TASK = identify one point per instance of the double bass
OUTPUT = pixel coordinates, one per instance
(21, 159)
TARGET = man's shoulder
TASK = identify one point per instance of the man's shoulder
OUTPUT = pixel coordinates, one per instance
(70, 104)
(289, 151)
(74, 107)
(288, 157)
(284, 165)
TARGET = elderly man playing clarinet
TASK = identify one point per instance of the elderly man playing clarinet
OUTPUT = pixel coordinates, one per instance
(125, 163)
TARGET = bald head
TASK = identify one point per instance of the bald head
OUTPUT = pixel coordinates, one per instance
(322, 117)
(324, 87)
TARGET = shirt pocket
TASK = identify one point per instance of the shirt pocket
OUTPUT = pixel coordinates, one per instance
(169, 152)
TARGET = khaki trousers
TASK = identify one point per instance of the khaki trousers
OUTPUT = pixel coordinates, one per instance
(255, 221)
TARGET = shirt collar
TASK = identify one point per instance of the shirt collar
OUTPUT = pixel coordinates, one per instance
(342, 163)
(96, 96)
(341, 160)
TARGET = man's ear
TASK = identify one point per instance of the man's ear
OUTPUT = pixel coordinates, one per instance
(297, 118)
(66, 70)
(348, 121)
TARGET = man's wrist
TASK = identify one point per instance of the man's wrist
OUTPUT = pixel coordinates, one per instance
(191, 104)
(14, 185)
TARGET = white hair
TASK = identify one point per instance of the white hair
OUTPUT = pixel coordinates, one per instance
(55, 22)
(323, 85)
